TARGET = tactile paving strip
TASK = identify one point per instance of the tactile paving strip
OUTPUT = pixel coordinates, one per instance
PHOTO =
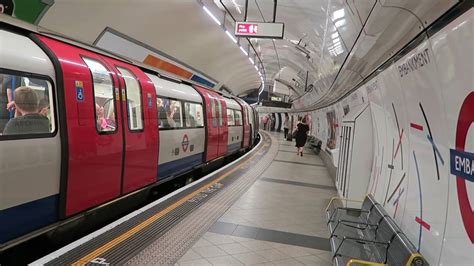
(173, 244)
(148, 232)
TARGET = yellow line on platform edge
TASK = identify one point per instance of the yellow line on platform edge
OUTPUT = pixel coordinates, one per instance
(104, 248)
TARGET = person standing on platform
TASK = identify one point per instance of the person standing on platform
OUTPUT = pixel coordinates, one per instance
(265, 122)
(301, 135)
(286, 125)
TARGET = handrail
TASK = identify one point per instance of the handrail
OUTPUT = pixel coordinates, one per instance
(338, 198)
(364, 262)
(413, 258)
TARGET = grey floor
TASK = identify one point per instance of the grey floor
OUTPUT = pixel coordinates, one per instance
(279, 221)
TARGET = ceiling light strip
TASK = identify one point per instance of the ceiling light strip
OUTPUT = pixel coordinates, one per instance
(230, 36)
(212, 15)
(243, 51)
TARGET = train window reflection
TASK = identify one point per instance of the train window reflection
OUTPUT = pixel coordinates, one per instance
(230, 117)
(134, 100)
(103, 96)
(169, 113)
(193, 115)
(214, 112)
(25, 105)
(238, 117)
(220, 113)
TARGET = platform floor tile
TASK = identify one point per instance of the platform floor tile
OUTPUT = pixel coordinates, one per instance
(285, 205)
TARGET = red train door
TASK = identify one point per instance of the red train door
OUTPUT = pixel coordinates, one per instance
(216, 124)
(94, 129)
(140, 126)
(223, 129)
(246, 125)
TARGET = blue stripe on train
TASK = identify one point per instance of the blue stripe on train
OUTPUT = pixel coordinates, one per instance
(22, 219)
(233, 147)
(179, 166)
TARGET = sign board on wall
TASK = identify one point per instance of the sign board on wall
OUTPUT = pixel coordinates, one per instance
(259, 30)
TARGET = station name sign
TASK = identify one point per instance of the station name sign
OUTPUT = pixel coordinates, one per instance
(259, 30)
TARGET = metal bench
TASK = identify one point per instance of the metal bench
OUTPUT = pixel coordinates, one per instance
(362, 233)
(314, 144)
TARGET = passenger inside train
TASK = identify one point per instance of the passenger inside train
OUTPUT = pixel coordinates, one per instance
(27, 119)
(25, 105)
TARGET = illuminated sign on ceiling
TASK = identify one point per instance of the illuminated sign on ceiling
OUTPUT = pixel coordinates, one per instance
(259, 30)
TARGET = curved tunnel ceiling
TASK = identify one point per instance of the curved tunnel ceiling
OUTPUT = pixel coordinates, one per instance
(335, 43)
(180, 29)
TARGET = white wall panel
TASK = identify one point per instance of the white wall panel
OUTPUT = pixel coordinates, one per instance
(455, 61)
(429, 155)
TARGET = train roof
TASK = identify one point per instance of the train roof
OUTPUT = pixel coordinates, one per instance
(21, 25)
(174, 90)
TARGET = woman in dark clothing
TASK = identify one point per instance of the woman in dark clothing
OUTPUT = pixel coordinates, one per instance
(301, 136)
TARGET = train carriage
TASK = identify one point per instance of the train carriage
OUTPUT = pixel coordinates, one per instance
(235, 125)
(107, 127)
(181, 124)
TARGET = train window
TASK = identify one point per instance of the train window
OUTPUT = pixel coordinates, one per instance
(103, 96)
(230, 117)
(26, 105)
(134, 100)
(214, 112)
(220, 113)
(169, 113)
(238, 117)
(193, 115)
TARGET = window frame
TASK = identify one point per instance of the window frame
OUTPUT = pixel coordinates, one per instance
(93, 96)
(183, 103)
(230, 123)
(126, 99)
(215, 121)
(220, 109)
(54, 111)
(241, 118)
(241, 121)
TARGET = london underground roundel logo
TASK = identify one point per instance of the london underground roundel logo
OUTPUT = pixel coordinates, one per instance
(185, 143)
(462, 163)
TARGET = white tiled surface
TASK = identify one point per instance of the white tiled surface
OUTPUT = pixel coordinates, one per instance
(245, 251)
(276, 206)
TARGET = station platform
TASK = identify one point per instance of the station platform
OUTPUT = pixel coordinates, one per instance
(267, 207)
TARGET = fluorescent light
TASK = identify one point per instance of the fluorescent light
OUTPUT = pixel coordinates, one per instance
(243, 51)
(335, 35)
(230, 36)
(340, 23)
(236, 7)
(211, 15)
(338, 14)
(337, 40)
(256, 68)
(251, 61)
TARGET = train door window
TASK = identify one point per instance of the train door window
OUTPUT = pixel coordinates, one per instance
(230, 117)
(238, 117)
(134, 100)
(220, 113)
(214, 111)
(103, 96)
(26, 105)
(193, 115)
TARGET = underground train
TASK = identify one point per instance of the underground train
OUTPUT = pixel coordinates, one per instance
(81, 129)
